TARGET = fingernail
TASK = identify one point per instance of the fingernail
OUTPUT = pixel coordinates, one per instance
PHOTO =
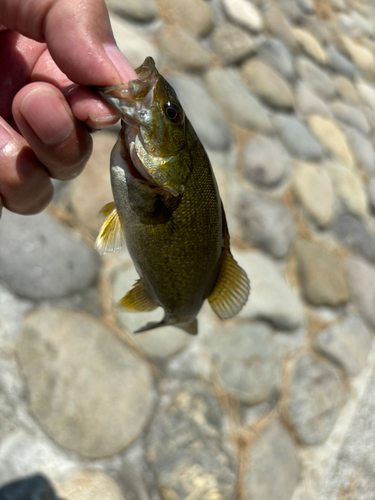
(5, 137)
(47, 116)
(122, 65)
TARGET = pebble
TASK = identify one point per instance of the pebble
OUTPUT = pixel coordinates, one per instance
(315, 78)
(161, 343)
(307, 6)
(264, 82)
(41, 259)
(297, 138)
(310, 45)
(271, 297)
(232, 43)
(322, 278)
(347, 343)
(265, 222)
(244, 13)
(185, 444)
(183, 50)
(32, 488)
(348, 187)
(346, 90)
(272, 454)
(309, 103)
(276, 54)
(361, 279)
(236, 102)
(360, 55)
(265, 161)
(83, 383)
(367, 94)
(277, 25)
(351, 116)
(139, 10)
(363, 151)
(193, 16)
(355, 234)
(315, 397)
(90, 485)
(332, 137)
(204, 114)
(244, 357)
(338, 62)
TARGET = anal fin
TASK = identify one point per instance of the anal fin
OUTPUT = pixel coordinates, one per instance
(138, 299)
(190, 326)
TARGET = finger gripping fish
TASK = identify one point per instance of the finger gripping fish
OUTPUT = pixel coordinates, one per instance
(167, 208)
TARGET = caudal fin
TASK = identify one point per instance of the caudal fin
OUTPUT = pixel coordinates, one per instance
(190, 326)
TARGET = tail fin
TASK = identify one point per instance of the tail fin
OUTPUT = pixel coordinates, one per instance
(190, 326)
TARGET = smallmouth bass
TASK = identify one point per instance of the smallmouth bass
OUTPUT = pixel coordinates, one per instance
(167, 208)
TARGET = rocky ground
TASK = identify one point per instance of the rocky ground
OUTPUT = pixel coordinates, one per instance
(277, 404)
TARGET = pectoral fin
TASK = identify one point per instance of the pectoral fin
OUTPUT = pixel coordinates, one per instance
(111, 236)
(138, 299)
(232, 286)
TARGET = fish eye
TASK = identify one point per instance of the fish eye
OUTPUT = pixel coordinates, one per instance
(172, 112)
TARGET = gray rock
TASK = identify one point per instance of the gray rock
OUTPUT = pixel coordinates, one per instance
(347, 343)
(315, 397)
(236, 102)
(363, 151)
(297, 138)
(355, 234)
(322, 278)
(338, 62)
(139, 10)
(202, 111)
(265, 161)
(361, 279)
(232, 43)
(185, 444)
(271, 455)
(315, 78)
(243, 13)
(277, 55)
(267, 84)
(193, 16)
(307, 6)
(265, 222)
(350, 474)
(350, 116)
(309, 103)
(271, 297)
(40, 259)
(83, 382)
(244, 357)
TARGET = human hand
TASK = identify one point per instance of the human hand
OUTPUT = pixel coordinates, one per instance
(45, 47)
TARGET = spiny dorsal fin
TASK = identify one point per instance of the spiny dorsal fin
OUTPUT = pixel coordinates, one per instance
(111, 236)
(232, 286)
(138, 299)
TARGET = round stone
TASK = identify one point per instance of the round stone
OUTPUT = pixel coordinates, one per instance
(139, 10)
(243, 13)
(90, 485)
(83, 382)
(351, 116)
(338, 62)
(274, 53)
(346, 90)
(232, 43)
(193, 16)
(361, 278)
(310, 45)
(316, 78)
(363, 150)
(360, 55)
(309, 103)
(355, 234)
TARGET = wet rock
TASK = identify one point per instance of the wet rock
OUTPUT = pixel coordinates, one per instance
(271, 454)
(183, 50)
(347, 343)
(316, 78)
(265, 161)
(297, 138)
(313, 187)
(361, 279)
(236, 102)
(243, 13)
(316, 396)
(346, 90)
(271, 297)
(232, 43)
(309, 103)
(360, 55)
(350, 116)
(206, 118)
(244, 357)
(185, 445)
(90, 485)
(83, 382)
(267, 84)
(355, 234)
(40, 259)
(274, 53)
(32, 488)
(193, 16)
(338, 62)
(362, 149)
(139, 10)
(322, 278)
(332, 137)
(310, 45)
(265, 222)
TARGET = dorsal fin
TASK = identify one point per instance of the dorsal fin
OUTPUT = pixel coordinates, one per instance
(111, 236)
(138, 299)
(232, 286)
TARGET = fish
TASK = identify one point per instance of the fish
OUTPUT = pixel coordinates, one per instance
(167, 209)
